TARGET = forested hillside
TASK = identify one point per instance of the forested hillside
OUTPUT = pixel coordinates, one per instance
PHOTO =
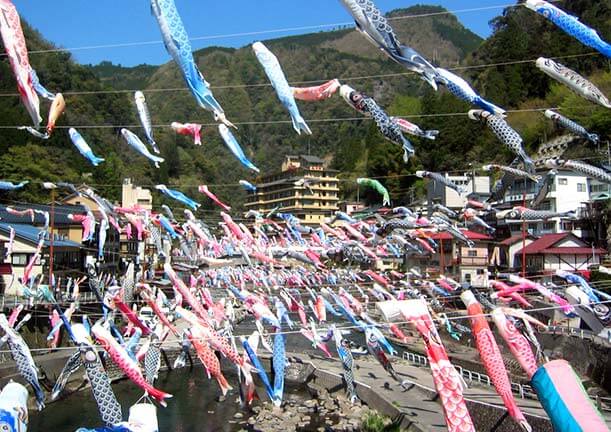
(354, 147)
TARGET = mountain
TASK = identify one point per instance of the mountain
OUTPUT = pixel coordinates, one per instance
(122, 78)
(437, 35)
(353, 146)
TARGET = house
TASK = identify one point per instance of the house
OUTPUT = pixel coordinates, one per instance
(350, 207)
(132, 195)
(112, 251)
(440, 194)
(470, 264)
(569, 192)
(560, 251)
(58, 218)
(67, 255)
(303, 187)
(505, 251)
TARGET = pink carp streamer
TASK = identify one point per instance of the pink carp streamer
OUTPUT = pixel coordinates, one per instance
(517, 343)
(206, 191)
(492, 358)
(17, 52)
(318, 93)
(545, 292)
(189, 129)
(447, 381)
(58, 106)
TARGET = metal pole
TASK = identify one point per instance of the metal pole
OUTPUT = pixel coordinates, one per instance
(524, 233)
(51, 236)
(442, 260)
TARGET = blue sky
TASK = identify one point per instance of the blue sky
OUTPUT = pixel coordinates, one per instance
(82, 23)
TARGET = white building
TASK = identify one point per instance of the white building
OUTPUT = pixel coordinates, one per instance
(440, 194)
(135, 195)
(67, 256)
(569, 192)
(131, 196)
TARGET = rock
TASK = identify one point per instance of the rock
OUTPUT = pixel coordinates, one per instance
(355, 414)
(310, 403)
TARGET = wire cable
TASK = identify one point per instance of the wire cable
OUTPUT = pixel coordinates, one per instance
(274, 122)
(271, 31)
(317, 81)
(340, 328)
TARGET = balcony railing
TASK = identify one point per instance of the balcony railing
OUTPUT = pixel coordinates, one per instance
(473, 261)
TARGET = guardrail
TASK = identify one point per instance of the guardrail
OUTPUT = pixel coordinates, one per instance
(580, 333)
(13, 301)
(523, 390)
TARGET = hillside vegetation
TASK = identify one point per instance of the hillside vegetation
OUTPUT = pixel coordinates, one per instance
(354, 147)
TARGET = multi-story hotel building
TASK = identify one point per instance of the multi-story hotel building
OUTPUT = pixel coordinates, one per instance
(303, 187)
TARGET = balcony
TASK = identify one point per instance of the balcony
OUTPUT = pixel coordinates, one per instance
(473, 261)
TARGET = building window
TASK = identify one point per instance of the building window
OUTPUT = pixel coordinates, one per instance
(545, 205)
(549, 226)
(567, 226)
(563, 181)
(472, 253)
(599, 188)
(581, 187)
(19, 259)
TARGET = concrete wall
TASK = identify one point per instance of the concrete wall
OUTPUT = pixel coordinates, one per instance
(570, 262)
(586, 357)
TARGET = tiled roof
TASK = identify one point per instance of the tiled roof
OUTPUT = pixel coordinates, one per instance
(471, 235)
(545, 242)
(31, 234)
(516, 238)
(60, 216)
(546, 246)
(312, 159)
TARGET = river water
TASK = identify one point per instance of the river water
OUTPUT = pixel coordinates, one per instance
(193, 407)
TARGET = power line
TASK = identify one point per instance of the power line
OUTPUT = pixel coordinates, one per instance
(272, 122)
(349, 327)
(262, 32)
(310, 82)
(464, 172)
